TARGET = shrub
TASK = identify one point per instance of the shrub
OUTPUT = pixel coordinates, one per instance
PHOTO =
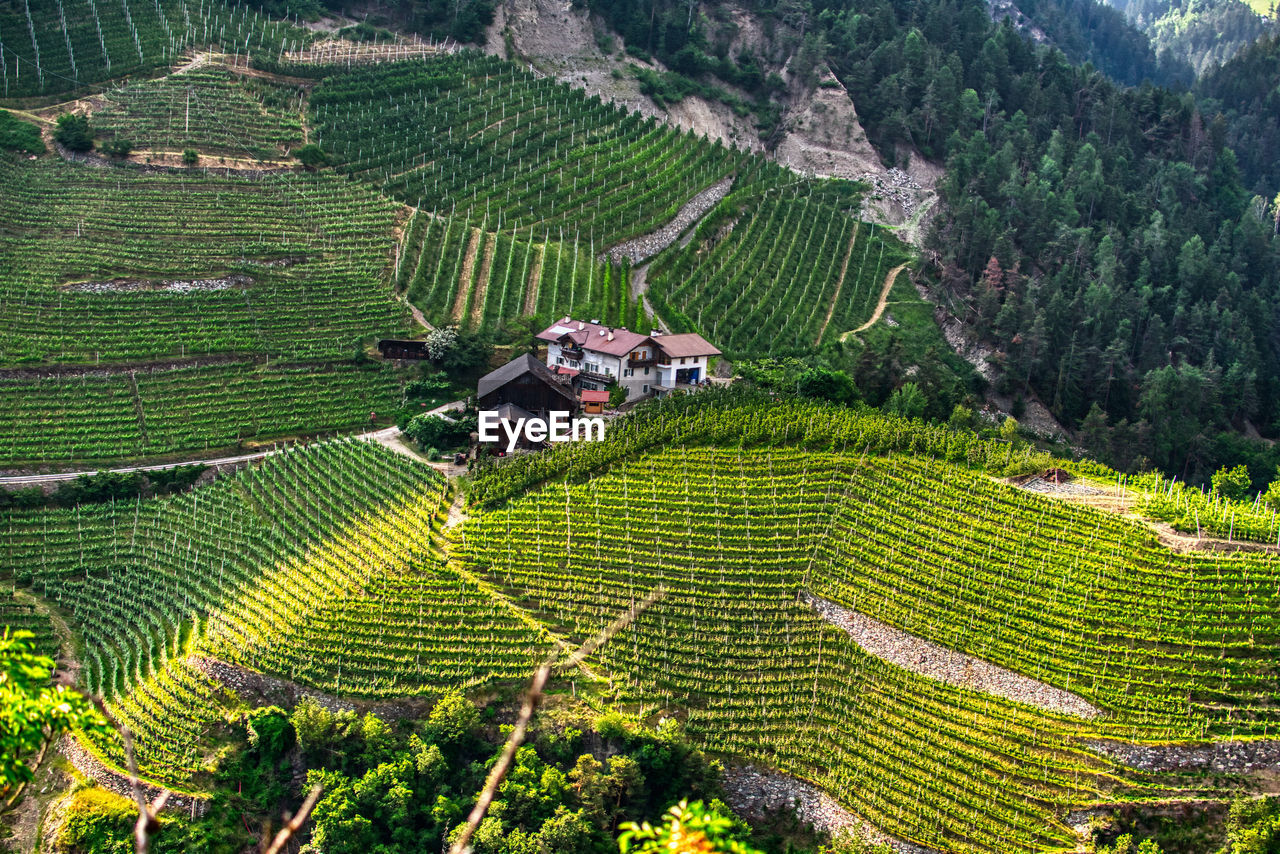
(1233, 483)
(117, 147)
(311, 156)
(73, 131)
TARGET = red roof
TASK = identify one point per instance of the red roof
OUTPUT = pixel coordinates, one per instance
(596, 337)
(563, 371)
(593, 396)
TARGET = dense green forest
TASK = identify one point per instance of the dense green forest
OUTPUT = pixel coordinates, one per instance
(1105, 239)
(1203, 33)
(1247, 91)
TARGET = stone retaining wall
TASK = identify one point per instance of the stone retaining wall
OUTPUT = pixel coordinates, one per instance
(946, 665)
(262, 689)
(1223, 757)
(115, 781)
(646, 246)
(752, 791)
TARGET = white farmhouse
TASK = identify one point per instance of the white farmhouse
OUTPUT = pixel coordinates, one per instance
(595, 356)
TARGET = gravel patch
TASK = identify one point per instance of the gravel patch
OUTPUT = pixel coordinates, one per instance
(1071, 487)
(651, 244)
(752, 792)
(895, 185)
(946, 665)
(1224, 757)
(177, 286)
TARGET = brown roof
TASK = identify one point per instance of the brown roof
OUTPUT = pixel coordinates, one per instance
(685, 344)
(594, 396)
(518, 367)
(613, 341)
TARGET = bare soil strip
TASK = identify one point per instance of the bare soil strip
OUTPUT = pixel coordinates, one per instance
(465, 277)
(535, 281)
(835, 298)
(934, 661)
(482, 283)
(884, 298)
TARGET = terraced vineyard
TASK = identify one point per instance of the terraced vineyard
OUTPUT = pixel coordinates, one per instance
(257, 570)
(207, 108)
(1175, 645)
(473, 134)
(88, 253)
(776, 271)
(50, 47)
(463, 274)
(18, 614)
(112, 268)
(328, 566)
(88, 417)
(1169, 646)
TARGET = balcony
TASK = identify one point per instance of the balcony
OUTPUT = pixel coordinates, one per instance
(642, 362)
(597, 372)
(574, 353)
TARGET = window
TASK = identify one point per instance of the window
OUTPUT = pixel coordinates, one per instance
(646, 386)
(646, 373)
(559, 360)
(682, 360)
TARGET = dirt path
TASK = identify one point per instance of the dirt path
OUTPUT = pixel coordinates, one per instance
(884, 298)
(1125, 503)
(482, 282)
(457, 511)
(934, 661)
(465, 277)
(534, 284)
(418, 316)
(844, 268)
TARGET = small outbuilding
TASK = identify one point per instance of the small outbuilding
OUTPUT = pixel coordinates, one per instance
(594, 402)
(397, 348)
(529, 384)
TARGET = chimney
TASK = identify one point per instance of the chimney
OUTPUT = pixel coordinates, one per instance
(581, 326)
(609, 337)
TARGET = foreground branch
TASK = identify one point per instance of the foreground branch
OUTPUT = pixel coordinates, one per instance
(462, 845)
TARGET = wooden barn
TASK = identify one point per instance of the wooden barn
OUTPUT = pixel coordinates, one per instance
(395, 348)
(528, 384)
